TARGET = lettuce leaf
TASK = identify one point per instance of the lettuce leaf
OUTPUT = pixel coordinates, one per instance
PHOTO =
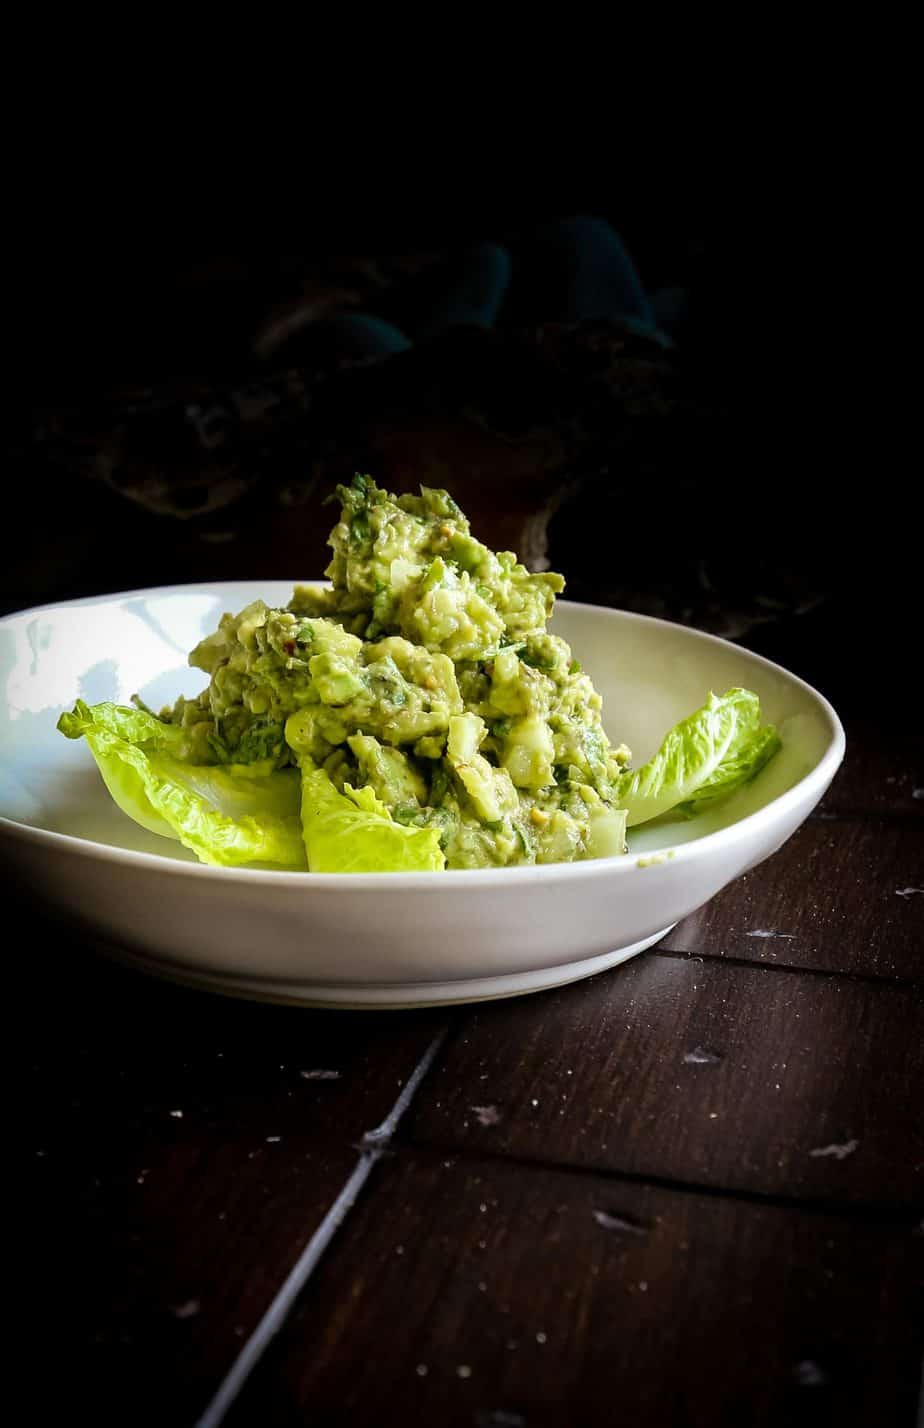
(704, 758)
(227, 815)
(353, 832)
(734, 772)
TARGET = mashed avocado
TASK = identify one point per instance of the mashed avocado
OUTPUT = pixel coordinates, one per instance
(415, 715)
(425, 674)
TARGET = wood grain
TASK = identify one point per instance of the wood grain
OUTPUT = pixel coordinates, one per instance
(881, 773)
(180, 1151)
(840, 896)
(707, 1073)
(469, 1292)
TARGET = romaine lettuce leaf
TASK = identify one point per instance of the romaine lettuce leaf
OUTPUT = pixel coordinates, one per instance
(704, 758)
(227, 815)
(353, 832)
(734, 772)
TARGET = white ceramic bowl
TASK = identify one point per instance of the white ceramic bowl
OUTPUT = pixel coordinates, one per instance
(384, 939)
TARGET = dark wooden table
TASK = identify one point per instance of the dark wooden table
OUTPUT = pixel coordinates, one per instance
(686, 1192)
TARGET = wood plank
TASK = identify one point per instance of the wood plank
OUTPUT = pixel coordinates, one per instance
(181, 1150)
(708, 1073)
(882, 773)
(840, 896)
(468, 1292)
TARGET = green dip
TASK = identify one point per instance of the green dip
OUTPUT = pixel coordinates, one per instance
(427, 674)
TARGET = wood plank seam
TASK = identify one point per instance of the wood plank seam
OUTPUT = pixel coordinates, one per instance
(372, 1147)
(878, 1211)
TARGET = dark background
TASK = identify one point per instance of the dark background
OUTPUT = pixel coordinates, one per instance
(188, 405)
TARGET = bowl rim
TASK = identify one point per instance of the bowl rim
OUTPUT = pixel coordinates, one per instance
(523, 875)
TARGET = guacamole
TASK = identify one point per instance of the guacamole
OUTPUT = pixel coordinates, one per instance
(415, 715)
(426, 674)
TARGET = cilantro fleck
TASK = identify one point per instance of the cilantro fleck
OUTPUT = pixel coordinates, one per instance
(536, 661)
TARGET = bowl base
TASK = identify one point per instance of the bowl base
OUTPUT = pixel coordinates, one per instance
(382, 996)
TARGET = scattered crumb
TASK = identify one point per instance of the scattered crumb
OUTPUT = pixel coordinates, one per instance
(917, 793)
(839, 1151)
(187, 1310)
(540, 1337)
(701, 1056)
(399, 1249)
(534, 1102)
(464, 1371)
(320, 1075)
(177, 1115)
(713, 1115)
(273, 1139)
(766, 932)
(608, 1221)
(653, 859)
(422, 1370)
(643, 1285)
(486, 1115)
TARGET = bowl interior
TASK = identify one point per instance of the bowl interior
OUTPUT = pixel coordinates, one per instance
(650, 674)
